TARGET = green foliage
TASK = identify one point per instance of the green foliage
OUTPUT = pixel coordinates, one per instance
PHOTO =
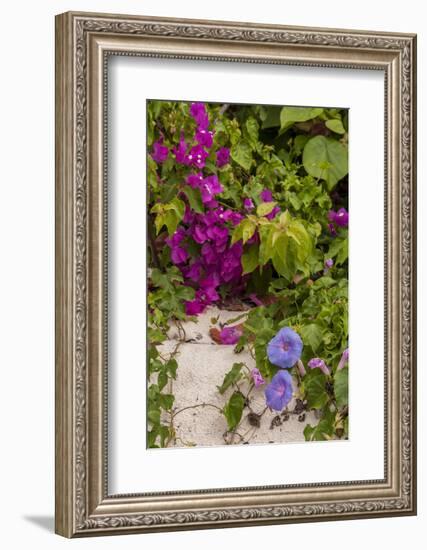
(290, 115)
(233, 409)
(341, 387)
(326, 158)
(313, 387)
(323, 430)
(169, 214)
(232, 377)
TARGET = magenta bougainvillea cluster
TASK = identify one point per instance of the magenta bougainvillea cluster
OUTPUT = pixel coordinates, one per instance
(219, 262)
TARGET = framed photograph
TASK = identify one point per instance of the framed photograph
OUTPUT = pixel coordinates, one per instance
(235, 274)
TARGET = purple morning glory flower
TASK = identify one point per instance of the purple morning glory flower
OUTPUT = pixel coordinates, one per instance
(248, 204)
(285, 348)
(230, 335)
(222, 157)
(343, 360)
(266, 195)
(257, 378)
(199, 113)
(279, 392)
(317, 363)
(204, 137)
(329, 263)
(160, 152)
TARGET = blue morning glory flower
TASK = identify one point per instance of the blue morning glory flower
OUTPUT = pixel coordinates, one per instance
(285, 348)
(279, 392)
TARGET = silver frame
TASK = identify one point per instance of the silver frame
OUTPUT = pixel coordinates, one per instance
(83, 43)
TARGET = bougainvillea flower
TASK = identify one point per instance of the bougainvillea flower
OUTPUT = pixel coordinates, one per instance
(196, 156)
(209, 188)
(231, 267)
(343, 360)
(248, 204)
(176, 238)
(209, 254)
(257, 377)
(207, 295)
(339, 218)
(279, 392)
(285, 348)
(160, 152)
(204, 137)
(199, 113)
(194, 307)
(332, 229)
(271, 215)
(199, 233)
(317, 363)
(230, 335)
(217, 234)
(222, 157)
(195, 180)
(179, 255)
(180, 152)
(212, 280)
(194, 271)
(266, 195)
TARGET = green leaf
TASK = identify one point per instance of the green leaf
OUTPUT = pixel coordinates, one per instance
(242, 154)
(162, 380)
(338, 249)
(300, 235)
(232, 376)
(178, 206)
(265, 208)
(194, 198)
(166, 401)
(326, 158)
(314, 385)
(341, 386)
(266, 246)
(312, 336)
(154, 416)
(252, 128)
(233, 409)
(290, 115)
(323, 431)
(250, 259)
(244, 231)
(335, 125)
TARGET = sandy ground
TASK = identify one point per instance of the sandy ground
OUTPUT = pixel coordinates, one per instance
(202, 366)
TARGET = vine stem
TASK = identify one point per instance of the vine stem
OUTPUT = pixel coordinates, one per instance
(195, 407)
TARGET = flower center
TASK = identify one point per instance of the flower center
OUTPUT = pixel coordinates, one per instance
(285, 346)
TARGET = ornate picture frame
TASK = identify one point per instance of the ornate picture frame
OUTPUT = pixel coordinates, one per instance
(84, 42)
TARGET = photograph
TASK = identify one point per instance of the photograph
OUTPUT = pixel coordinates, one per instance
(247, 274)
